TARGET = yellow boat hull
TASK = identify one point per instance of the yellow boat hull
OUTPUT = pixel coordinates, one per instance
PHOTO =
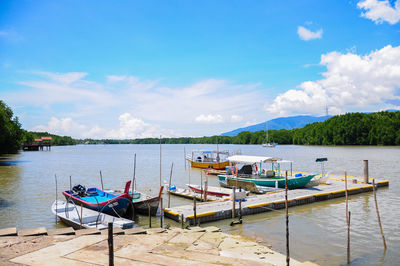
(204, 165)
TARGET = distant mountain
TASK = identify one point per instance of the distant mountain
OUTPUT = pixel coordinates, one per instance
(280, 123)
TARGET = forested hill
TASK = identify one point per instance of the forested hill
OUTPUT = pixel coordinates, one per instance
(382, 128)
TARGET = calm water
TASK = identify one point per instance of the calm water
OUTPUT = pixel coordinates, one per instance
(317, 231)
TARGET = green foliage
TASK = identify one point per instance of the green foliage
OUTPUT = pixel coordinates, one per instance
(56, 140)
(10, 130)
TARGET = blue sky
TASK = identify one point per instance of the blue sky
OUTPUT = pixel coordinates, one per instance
(133, 69)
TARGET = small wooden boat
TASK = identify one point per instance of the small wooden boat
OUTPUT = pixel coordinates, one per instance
(209, 159)
(141, 201)
(190, 194)
(100, 200)
(80, 217)
(213, 191)
(210, 171)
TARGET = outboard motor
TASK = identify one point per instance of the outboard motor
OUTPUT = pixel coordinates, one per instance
(80, 190)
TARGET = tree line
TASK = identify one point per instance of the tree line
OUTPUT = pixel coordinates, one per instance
(380, 128)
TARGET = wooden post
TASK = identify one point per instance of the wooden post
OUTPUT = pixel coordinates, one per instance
(70, 184)
(134, 174)
(160, 160)
(366, 181)
(240, 210)
(169, 188)
(201, 186)
(347, 219)
(182, 221)
(110, 245)
(161, 212)
(184, 156)
(81, 218)
(377, 214)
(194, 210)
(101, 179)
(205, 188)
(233, 202)
(149, 214)
(55, 176)
(287, 221)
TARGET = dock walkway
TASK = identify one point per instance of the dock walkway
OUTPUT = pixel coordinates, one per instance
(213, 211)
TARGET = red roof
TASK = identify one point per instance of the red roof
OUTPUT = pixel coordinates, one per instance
(46, 138)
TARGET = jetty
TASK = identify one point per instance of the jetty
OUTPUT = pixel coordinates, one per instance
(135, 246)
(275, 200)
(38, 144)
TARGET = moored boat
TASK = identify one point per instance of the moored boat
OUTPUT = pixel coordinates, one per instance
(208, 159)
(211, 190)
(252, 171)
(100, 200)
(80, 217)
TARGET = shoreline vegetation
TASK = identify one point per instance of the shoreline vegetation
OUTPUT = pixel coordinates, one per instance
(380, 128)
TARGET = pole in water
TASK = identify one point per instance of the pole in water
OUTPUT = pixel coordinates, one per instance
(160, 160)
(366, 181)
(148, 204)
(169, 187)
(347, 218)
(184, 156)
(287, 220)
(110, 245)
(233, 202)
(70, 184)
(201, 185)
(161, 212)
(377, 214)
(183, 222)
(55, 176)
(194, 210)
(134, 174)
(101, 179)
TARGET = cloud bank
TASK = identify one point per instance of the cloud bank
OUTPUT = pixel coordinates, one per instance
(380, 11)
(306, 34)
(351, 82)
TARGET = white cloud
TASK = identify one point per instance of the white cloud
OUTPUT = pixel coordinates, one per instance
(131, 127)
(380, 11)
(351, 81)
(306, 34)
(63, 126)
(209, 119)
(236, 118)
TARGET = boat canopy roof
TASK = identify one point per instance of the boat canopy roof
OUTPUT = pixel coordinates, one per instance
(248, 159)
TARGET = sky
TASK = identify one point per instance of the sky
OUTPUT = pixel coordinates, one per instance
(135, 69)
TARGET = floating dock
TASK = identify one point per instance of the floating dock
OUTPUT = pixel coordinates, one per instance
(219, 210)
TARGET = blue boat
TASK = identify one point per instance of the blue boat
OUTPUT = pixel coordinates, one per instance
(99, 200)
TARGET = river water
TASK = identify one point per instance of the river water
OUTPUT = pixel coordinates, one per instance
(317, 231)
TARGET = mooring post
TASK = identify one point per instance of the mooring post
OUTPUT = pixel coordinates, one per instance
(70, 184)
(110, 245)
(194, 210)
(347, 219)
(169, 188)
(161, 212)
(240, 210)
(149, 214)
(55, 176)
(205, 188)
(233, 202)
(81, 218)
(366, 181)
(287, 221)
(101, 179)
(377, 214)
(182, 221)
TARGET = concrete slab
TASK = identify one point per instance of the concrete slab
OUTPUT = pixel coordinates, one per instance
(51, 255)
(116, 231)
(135, 231)
(212, 229)
(61, 231)
(84, 232)
(185, 240)
(33, 232)
(155, 231)
(11, 231)
(196, 229)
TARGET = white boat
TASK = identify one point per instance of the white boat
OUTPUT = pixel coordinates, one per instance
(80, 217)
(268, 144)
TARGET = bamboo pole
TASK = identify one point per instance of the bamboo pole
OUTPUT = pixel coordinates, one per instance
(161, 212)
(149, 207)
(205, 188)
(201, 186)
(347, 219)
(169, 188)
(160, 160)
(101, 179)
(194, 210)
(287, 220)
(70, 184)
(377, 214)
(233, 202)
(55, 176)
(184, 156)
(134, 174)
